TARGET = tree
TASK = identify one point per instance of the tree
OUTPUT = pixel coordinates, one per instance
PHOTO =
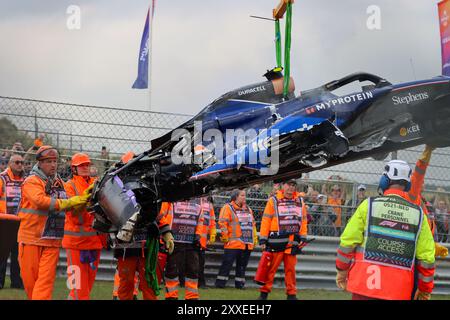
(9, 134)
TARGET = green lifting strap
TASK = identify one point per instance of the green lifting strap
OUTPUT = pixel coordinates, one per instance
(278, 43)
(151, 263)
(287, 50)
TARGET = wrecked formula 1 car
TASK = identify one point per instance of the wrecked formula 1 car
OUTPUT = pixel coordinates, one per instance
(314, 130)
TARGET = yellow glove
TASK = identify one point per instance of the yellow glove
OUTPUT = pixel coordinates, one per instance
(212, 236)
(168, 241)
(422, 295)
(440, 251)
(341, 279)
(88, 191)
(426, 154)
(75, 201)
(255, 237)
(223, 238)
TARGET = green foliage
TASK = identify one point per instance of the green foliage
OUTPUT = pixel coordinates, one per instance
(102, 290)
(10, 134)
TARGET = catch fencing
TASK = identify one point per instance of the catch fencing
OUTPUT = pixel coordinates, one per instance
(80, 128)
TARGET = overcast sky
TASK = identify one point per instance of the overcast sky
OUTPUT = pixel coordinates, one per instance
(203, 48)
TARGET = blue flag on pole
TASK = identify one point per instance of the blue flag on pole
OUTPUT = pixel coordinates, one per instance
(142, 78)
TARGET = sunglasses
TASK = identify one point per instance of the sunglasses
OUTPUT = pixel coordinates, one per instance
(19, 162)
(338, 190)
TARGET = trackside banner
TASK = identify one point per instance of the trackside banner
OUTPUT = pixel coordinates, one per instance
(444, 19)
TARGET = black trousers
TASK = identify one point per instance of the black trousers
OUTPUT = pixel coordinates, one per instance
(16, 280)
(230, 255)
(185, 256)
(201, 270)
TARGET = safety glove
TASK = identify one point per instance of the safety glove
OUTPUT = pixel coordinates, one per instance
(255, 236)
(88, 190)
(169, 241)
(341, 279)
(426, 154)
(224, 238)
(440, 251)
(212, 238)
(73, 202)
(420, 295)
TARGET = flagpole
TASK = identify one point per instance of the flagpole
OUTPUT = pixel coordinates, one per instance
(150, 69)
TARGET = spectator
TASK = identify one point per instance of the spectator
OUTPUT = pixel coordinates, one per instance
(275, 188)
(361, 195)
(34, 148)
(431, 218)
(256, 199)
(351, 206)
(442, 217)
(104, 155)
(28, 165)
(64, 168)
(314, 211)
(311, 196)
(256, 192)
(93, 171)
(3, 163)
(39, 141)
(17, 148)
(335, 200)
(325, 217)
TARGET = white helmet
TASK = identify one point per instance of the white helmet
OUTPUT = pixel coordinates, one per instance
(398, 170)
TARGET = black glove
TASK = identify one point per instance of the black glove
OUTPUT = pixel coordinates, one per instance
(262, 242)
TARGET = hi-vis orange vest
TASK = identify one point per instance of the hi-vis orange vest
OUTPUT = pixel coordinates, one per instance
(34, 209)
(78, 231)
(10, 191)
(208, 224)
(284, 217)
(185, 219)
(238, 225)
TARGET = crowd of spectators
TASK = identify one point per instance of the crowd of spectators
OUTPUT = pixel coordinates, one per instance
(101, 161)
(330, 203)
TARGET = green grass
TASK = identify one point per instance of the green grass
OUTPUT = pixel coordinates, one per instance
(103, 291)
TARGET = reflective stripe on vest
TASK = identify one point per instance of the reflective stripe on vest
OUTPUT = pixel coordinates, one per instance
(289, 215)
(34, 211)
(186, 215)
(244, 219)
(3, 197)
(206, 208)
(11, 193)
(393, 226)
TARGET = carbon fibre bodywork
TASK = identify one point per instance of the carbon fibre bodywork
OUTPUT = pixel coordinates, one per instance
(315, 130)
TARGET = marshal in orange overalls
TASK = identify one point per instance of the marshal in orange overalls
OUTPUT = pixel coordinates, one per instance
(82, 243)
(283, 224)
(41, 211)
